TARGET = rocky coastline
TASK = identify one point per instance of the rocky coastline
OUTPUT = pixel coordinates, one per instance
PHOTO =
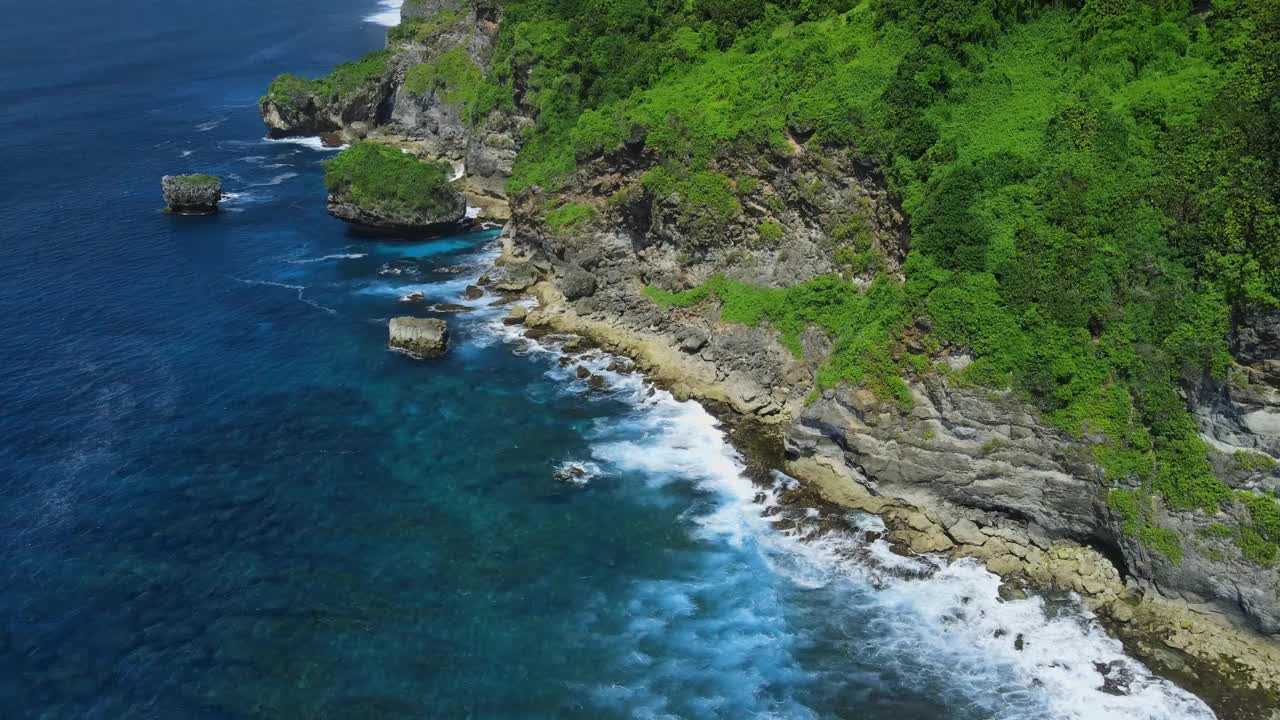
(959, 470)
(1229, 665)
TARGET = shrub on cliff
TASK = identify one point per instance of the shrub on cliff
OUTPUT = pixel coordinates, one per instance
(381, 177)
(460, 83)
(345, 79)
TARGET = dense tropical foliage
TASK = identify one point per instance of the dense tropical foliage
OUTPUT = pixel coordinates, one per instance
(380, 176)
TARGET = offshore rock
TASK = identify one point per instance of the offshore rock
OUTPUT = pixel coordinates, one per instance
(419, 337)
(191, 194)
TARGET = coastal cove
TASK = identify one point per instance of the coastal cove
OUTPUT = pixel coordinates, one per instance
(226, 497)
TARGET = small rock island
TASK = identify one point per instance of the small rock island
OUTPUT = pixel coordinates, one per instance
(191, 194)
(419, 337)
(378, 188)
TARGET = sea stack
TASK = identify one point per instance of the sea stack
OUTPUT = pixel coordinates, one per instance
(381, 190)
(191, 194)
(419, 337)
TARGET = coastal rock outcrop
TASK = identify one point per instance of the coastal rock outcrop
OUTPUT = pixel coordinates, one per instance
(399, 221)
(382, 189)
(191, 194)
(419, 93)
(953, 468)
(419, 337)
(354, 97)
(962, 450)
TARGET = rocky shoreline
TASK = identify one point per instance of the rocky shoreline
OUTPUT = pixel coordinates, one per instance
(951, 468)
(1231, 667)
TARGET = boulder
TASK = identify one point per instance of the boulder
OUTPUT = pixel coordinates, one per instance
(518, 279)
(577, 283)
(191, 194)
(420, 337)
(516, 316)
(967, 532)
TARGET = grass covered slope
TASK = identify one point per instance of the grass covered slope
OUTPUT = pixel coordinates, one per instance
(1092, 187)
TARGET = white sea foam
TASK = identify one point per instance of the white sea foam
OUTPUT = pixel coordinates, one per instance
(324, 258)
(207, 126)
(309, 142)
(388, 15)
(932, 627)
(275, 180)
(577, 472)
(299, 289)
(185, 153)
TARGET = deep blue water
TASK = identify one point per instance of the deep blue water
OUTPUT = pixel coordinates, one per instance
(222, 497)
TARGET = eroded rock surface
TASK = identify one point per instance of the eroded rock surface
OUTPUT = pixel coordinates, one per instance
(400, 221)
(191, 194)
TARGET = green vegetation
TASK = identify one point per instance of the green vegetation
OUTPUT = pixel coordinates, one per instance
(1249, 461)
(200, 179)
(422, 30)
(345, 79)
(770, 232)
(706, 199)
(568, 216)
(1092, 190)
(382, 177)
(460, 83)
(860, 324)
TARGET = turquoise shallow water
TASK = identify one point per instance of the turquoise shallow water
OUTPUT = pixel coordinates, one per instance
(222, 497)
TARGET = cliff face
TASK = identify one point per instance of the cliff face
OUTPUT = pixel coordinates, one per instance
(960, 450)
(461, 34)
(1243, 413)
(316, 112)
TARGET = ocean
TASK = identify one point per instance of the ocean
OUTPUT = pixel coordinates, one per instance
(222, 496)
